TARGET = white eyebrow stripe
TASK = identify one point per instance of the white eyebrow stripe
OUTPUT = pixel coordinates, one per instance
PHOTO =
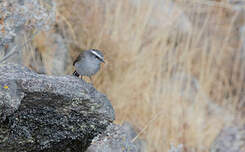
(97, 54)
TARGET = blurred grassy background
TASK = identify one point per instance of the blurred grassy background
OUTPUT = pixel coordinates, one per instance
(174, 69)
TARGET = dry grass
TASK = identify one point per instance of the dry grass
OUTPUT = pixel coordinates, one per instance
(178, 80)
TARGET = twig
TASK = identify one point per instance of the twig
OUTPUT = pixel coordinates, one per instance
(147, 125)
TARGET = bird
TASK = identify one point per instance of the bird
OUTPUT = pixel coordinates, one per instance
(88, 63)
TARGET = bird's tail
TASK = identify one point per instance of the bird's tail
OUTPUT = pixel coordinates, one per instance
(75, 73)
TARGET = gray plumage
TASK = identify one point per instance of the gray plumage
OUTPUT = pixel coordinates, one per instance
(88, 63)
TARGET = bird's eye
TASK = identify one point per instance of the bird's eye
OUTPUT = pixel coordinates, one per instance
(97, 57)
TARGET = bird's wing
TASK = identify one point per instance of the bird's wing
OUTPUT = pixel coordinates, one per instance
(77, 59)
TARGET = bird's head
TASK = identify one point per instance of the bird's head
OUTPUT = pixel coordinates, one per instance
(97, 54)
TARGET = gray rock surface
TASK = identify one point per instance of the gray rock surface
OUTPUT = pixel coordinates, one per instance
(230, 139)
(62, 58)
(48, 113)
(117, 139)
(18, 20)
(179, 148)
(55, 59)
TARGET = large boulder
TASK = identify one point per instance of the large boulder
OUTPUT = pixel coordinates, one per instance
(49, 113)
(19, 18)
(117, 138)
(230, 139)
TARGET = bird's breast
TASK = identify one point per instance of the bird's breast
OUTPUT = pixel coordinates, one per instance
(87, 68)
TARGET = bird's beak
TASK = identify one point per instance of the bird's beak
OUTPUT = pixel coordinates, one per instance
(102, 60)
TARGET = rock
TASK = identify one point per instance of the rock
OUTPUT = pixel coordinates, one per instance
(18, 20)
(53, 52)
(62, 58)
(230, 139)
(237, 4)
(36, 63)
(117, 139)
(48, 113)
(179, 148)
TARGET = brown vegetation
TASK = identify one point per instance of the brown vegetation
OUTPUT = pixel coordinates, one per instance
(176, 74)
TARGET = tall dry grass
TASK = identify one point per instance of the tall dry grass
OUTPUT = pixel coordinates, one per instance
(173, 70)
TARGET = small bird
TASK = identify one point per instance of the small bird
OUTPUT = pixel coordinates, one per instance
(88, 63)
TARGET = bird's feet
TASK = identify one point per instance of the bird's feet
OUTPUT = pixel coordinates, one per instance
(76, 74)
(91, 80)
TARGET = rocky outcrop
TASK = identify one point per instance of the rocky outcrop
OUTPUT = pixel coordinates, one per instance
(19, 18)
(23, 20)
(49, 113)
(230, 139)
(117, 139)
(52, 54)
